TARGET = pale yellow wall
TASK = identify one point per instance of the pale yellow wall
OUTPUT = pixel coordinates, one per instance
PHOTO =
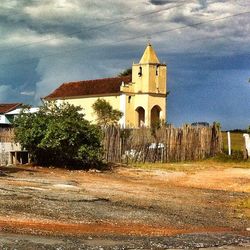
(157, 82)
(130, 110)
(141, 82)
(159, 101)
(133, 101)
(86, 103)
(149, 81)
(147, 102)
(161, 80)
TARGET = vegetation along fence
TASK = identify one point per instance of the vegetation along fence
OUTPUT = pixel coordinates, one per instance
(166, 144)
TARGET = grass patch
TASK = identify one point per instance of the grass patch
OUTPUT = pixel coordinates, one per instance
(190, 167)
(180, 167)
(237, 146)
(245, 203)
(237, 141)
(229, 161)
(235, 157)
(243, 207)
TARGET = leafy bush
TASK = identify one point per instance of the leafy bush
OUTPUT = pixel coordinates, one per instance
(59, 136)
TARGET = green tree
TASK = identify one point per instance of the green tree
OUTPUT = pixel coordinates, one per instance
(59, 136)
(105, 113)
(126, 72)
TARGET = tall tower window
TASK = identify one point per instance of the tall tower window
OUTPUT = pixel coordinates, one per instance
(157, 70)
(140, 71)
(129, 99)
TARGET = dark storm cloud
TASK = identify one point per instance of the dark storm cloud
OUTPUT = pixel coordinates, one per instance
(209, 63)
(160, 2)
(61, 26)
(221, 96)
(45, 43)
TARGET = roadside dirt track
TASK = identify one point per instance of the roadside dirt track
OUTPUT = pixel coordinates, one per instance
(125, 207)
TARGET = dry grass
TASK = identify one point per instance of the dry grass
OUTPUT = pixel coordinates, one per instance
(193, 166)
(243, 207)
(237, 141)
(246, 203)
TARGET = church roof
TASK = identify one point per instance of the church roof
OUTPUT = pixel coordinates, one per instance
(89, 87)
(149, 55)
(7, 107)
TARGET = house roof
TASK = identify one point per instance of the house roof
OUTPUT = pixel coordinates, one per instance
(149, 55)
(7, 107)
(18, 111)
(4, 120)
(89, 87)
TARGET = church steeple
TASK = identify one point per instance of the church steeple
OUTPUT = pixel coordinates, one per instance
(149, 75)
(149, 56)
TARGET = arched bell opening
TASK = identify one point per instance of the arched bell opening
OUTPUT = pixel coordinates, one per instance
(155, 115)
(140, 111)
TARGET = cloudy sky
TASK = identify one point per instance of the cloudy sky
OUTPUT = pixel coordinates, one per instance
(205, 44)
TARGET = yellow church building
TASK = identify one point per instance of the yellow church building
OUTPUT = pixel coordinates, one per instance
(141, 97)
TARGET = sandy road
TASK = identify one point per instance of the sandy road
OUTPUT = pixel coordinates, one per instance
(131, 206)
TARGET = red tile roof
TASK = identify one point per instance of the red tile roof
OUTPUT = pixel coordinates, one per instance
(89, 87)
(7, 107)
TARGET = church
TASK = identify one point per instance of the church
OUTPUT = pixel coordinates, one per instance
(141, 96)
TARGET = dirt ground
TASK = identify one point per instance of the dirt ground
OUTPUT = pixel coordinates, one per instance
(125, 208)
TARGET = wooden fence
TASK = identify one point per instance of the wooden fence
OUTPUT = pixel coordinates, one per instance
(166, 144)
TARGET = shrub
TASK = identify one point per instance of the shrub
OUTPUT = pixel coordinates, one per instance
(105, 113)
(236, 156)
(59, 136)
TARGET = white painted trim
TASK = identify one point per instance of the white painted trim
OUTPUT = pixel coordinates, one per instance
(4, 120)
(122, 121)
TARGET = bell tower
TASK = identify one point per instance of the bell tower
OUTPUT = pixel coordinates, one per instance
(149, 75)
(145, 97)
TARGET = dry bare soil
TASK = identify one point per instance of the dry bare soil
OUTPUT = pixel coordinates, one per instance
(125, 208)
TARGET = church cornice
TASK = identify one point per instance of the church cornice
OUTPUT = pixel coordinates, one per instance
(84, 96)
(154, 64)
(145, 93)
